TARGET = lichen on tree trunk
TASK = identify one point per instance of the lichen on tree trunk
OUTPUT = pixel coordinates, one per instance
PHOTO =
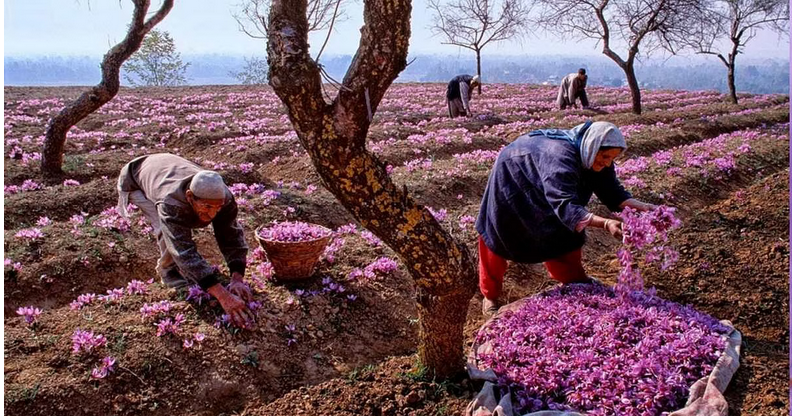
(334, 135)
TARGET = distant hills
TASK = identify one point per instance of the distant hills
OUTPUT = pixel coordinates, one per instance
(685, 72)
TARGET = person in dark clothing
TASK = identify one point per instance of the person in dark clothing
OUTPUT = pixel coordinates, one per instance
(534, 206)
(459, 93)
(177, 196)
(573, 86)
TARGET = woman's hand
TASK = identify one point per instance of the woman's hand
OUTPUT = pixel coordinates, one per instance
(638, 205)
(614, 228)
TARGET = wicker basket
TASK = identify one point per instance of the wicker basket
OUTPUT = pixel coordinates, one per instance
(293, 260)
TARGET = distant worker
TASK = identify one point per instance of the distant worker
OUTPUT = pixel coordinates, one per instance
(459, 93)
(177, 196)
(573, 86)
(534, 206)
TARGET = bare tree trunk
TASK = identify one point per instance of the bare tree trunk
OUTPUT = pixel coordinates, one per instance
(627, 66)
(334, 136)
(478, 68)
(635, 90)
(731, 67)
(93, 99)
(732, 87)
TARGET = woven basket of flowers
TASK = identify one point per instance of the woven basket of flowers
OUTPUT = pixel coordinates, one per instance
(293, 247)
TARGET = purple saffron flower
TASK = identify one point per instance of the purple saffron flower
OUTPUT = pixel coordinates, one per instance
(15, 266)
(149, 310)
(196, 294)
(370, 238)
(440, 215)
(86, 341)
(136, 287)
(29, 313)
(82, 300)
(31, 234)
(466, 220)
(107, 366)
(113, 295)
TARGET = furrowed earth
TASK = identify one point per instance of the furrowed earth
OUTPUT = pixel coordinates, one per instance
(724, 167)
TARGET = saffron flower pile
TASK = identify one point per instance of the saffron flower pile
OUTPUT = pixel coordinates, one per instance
(293, 232)
(584, 347)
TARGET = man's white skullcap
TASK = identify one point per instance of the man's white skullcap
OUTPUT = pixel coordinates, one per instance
(476, 80)
(208, 184)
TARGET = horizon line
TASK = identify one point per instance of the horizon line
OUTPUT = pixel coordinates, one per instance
(499, 55)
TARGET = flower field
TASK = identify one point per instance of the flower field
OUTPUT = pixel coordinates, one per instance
(89, 329)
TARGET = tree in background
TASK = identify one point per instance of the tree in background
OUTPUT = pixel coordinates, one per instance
(157, 63)
(642, 25)
(254, 72)
(334, 135)
(93, 99)
(253, 16)
(473, 24)
(736, 21)
(253, 20)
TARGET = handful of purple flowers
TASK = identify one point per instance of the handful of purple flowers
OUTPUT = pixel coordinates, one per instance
(645, 235)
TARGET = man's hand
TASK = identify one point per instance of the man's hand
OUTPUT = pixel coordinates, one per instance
(614, 228)
(235, 307)
(239, 288)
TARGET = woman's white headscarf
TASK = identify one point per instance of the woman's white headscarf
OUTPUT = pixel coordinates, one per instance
(599, 134)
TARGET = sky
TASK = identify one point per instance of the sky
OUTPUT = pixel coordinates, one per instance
(83, 27)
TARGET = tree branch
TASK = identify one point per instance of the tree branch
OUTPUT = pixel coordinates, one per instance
(99, 95)
(289, 58)
(378, 60)
(163, 11)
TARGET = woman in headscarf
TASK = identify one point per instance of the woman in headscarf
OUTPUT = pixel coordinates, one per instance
(534, 206)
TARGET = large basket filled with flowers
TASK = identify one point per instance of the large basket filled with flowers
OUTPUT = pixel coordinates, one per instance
(293, 247)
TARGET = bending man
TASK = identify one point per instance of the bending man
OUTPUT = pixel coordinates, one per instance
(573, 86)
(459, 94)
(177, 196)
